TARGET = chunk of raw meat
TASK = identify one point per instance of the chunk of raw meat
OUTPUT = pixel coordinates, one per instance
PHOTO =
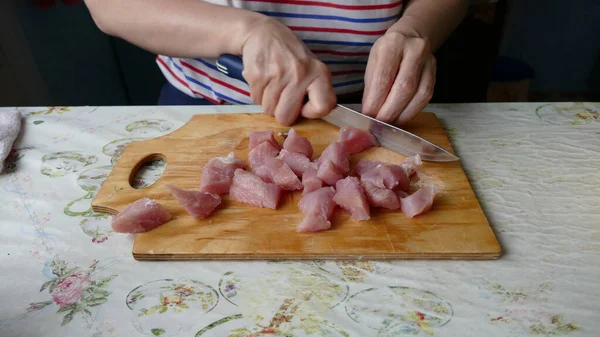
(298, 144)
(401, 194)
(261, 153)
(387, 176)
(299, 163)
(380, 197)
(356, 140)
(329, 173)
(364, 166)
(310, 180)
(419, 202)
(258, 137)
(276, 171)
(250, 189)
(197, 203)
(411, 165)
(318, 207)
(218, 173)
(350, 196)
(141, 216)
(336, 153)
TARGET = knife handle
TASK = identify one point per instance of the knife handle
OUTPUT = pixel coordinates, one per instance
(232, 66)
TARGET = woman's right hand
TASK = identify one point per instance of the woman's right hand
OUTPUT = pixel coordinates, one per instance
(281, 71)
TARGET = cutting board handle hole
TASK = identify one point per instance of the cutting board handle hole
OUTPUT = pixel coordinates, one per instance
(147, 171)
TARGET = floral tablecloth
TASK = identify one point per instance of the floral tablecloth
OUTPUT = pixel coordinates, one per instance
(534, 167)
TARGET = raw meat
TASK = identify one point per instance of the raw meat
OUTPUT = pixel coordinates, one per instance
(261, 153)
(387, 176)
(350, 196)
(380, 197)
(276, 171)
(310, 180)
(419, 202)
(299, 163)
(298, 144)
(218, 173)
(411, 165)
(356, 140)
(401, 195)
(364, 166)
(318, 207)
(329, 173)
(258, 137)
(336, 153)
(141, 216)
(250, 189)
(197, 203)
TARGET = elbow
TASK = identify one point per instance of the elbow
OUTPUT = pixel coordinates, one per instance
(99, 11)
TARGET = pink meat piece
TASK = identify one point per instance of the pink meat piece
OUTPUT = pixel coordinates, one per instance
(250, 189)
(380, 197)
(298, 144)
(218, 173)
(419, 202)
(411, 165)
(310, 180)
(329, 173)
(261, 153)
(197, 203)
(356, 140)
(364, 166)
(387, 176)
(141, 216)
(276, 171)
(318, 207)
(335, 153)
(299, 163)
(401, 194)
(258, 137)
(350, 196)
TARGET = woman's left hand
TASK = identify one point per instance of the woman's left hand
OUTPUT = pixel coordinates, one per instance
(400, 77)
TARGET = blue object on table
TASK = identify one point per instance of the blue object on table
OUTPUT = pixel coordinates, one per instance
(232, 66)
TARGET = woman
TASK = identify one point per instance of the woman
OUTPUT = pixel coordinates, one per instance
(292, 48)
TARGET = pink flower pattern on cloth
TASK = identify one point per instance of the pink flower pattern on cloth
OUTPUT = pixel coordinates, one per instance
(68, 291)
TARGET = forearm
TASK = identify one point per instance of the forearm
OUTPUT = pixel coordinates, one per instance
(433, 20)
(178, 28)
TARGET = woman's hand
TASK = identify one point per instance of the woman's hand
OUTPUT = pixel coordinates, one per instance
(400, 77)
(281, 71)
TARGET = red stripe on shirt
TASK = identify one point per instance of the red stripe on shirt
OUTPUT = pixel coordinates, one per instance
(337, 30)
(183, 82)
(330, 5)
(225, 84)
(341, 53)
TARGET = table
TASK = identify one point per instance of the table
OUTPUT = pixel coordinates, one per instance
(534, 167)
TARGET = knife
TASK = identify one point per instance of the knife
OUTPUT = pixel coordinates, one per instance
(388, 136)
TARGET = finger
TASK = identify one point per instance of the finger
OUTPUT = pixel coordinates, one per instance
(257, 88)
(382, 67)
(423, 95)
(321, 98)
(271, 96)
(290, 104)
(405, 86)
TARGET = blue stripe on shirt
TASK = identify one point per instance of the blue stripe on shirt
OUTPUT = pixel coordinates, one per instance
(345, 62)
(329, 17)
(343, 84)
(193, 80)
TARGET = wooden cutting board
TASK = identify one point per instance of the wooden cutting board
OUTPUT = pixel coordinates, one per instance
(455, 228)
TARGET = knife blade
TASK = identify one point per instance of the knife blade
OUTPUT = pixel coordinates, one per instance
(389, 136)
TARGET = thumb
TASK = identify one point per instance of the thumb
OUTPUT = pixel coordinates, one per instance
(321, 98)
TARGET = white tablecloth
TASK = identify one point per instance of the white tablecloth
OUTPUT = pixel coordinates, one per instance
(534, 167)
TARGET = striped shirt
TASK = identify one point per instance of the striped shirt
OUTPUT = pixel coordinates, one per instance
(339, 32)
